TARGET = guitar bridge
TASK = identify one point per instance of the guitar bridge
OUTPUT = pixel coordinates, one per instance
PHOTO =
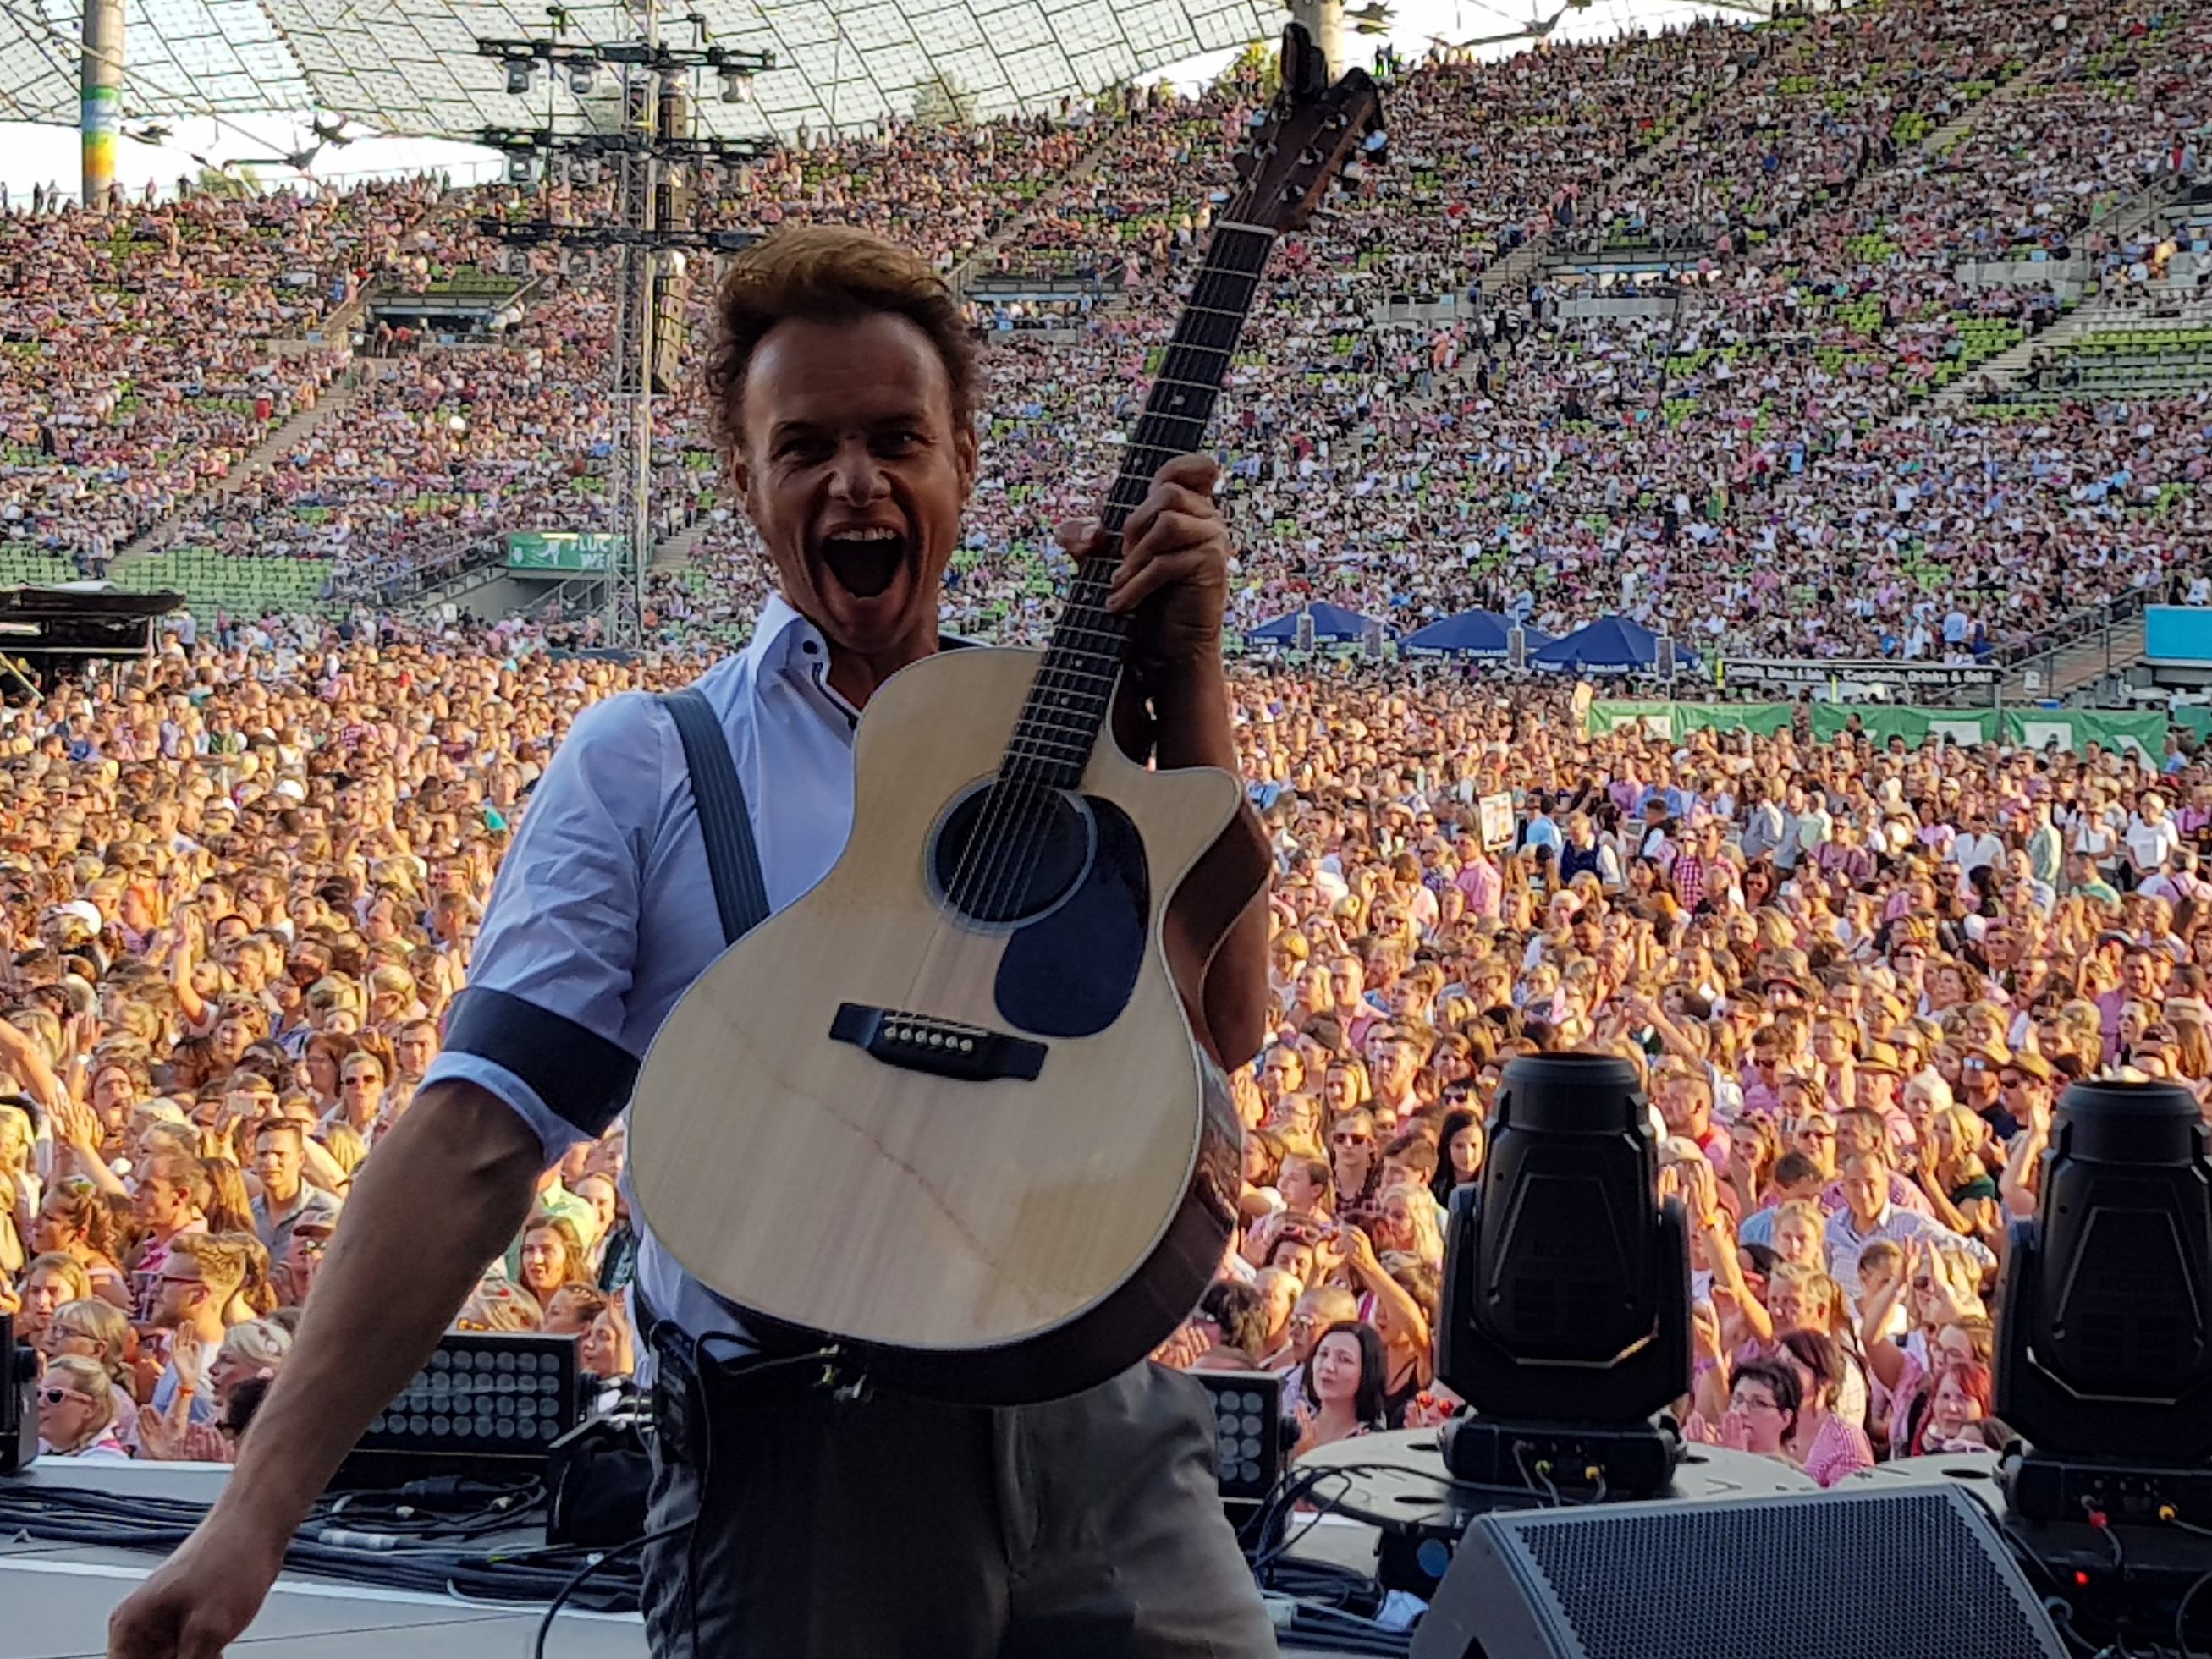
(918, 1043)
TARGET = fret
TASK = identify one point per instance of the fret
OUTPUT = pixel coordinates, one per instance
(1175, 346)
(1071, 696)
(1069, 748)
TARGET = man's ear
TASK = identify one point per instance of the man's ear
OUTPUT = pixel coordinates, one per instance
(964, 454)
(738, 475)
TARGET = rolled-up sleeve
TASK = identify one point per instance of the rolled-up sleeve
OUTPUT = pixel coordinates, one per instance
(541, 1025)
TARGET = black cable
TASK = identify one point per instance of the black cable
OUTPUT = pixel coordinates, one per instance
(2181, 1613)
(576, 1579)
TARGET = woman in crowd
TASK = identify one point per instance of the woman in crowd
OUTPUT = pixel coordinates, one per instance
(1344, 1375)
(552, 1256)
(77, 1412)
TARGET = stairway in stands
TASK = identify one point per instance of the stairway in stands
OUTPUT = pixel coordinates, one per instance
(673, 551)
(982, 257)
(1519, 268)
(288, 435)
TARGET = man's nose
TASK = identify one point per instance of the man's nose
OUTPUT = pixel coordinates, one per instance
(857, 477)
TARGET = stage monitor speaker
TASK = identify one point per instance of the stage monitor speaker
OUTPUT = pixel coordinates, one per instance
(19, 1400)
(1918, 1573)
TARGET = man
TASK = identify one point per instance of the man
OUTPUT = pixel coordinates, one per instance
(1868, 1215)
(1685, 1101)
(1858, 1132)
(280, 1151)
(1981, 1090)
(197, 1283)
(1398, 1061)
(843, 389)
(171, 1190)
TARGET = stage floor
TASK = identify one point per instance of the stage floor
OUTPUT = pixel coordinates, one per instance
(58, 1598)
(55, 1598)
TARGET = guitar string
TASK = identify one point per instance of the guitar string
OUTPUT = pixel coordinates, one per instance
(992, 851)
(1217, 276)
(1178, 369)
(975, 873)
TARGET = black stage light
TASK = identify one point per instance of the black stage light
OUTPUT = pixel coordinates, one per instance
(2104, 1363)
(484, 1403)
(19, 1399)
(1247, 1437)
(1566, 1312)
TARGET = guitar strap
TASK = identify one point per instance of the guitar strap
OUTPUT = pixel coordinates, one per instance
(733, 860)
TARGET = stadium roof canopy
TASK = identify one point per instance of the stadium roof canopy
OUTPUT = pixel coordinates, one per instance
(410, 66)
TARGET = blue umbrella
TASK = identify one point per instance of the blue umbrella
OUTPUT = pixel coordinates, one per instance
(1611, 645)
(1332, 625)
(1470, 634)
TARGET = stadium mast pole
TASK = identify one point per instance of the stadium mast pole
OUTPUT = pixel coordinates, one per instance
(625, 622)
(100, 110)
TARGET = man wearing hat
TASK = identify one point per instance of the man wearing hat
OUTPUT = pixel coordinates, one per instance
(2027, 1085)
(1880, 1079)
(1981, 1070)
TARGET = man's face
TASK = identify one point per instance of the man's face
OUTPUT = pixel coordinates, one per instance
(847, 427)
(415, 1048)
(159, 1203)
(180, 1291)
(1866, 1189)
(276, 1159)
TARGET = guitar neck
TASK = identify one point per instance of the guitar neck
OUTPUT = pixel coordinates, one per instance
(1069, 698)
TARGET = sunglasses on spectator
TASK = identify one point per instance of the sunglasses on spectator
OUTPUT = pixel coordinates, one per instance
(1350, 1137)
(53, 1393)
(1813, 1128)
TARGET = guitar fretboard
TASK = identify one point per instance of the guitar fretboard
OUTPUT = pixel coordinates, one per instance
(1069, 698)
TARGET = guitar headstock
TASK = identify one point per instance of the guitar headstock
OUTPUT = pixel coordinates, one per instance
(1313, 133)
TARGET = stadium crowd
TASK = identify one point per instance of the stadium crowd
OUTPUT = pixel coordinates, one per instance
(238, 884)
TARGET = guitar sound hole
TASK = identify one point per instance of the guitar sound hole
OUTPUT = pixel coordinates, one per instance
(1011, 851)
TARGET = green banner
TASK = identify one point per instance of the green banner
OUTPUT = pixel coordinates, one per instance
(2078, 728)
(1674, 719)
(2071, 729)
(1764, 718)
(1656, 718)
(1880, 722)
(562, 550)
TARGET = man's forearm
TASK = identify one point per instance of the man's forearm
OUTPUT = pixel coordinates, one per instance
(447, 1190)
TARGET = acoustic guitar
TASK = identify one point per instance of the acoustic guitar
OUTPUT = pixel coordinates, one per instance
(956, 1110)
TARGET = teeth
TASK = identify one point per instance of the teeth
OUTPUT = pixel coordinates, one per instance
(873, 533)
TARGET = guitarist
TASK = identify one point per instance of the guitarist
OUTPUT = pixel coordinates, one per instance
(843, 386)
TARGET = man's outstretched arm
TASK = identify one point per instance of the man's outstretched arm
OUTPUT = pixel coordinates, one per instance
(447, 1190)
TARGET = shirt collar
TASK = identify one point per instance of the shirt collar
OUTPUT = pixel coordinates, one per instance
(781, 634)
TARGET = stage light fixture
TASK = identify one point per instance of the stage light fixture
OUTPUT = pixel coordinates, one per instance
(2105, 1356)
(584, 77)
(1248, 1436)
(518, 77)
(736, 87)
(522, 169)
(19, 1399)
(1566, 1311)
(483, 1399)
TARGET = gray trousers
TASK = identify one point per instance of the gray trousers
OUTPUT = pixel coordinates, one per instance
(895, 1527)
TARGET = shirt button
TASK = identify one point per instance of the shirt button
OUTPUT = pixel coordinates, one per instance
(809, 647)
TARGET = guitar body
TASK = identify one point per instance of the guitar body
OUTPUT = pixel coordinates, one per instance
(988, 1155)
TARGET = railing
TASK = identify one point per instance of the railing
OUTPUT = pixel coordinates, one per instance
(2040, 655)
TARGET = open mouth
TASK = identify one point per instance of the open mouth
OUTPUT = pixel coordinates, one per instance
(864, 562)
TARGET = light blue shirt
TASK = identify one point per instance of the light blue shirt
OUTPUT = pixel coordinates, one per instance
(603, 914)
